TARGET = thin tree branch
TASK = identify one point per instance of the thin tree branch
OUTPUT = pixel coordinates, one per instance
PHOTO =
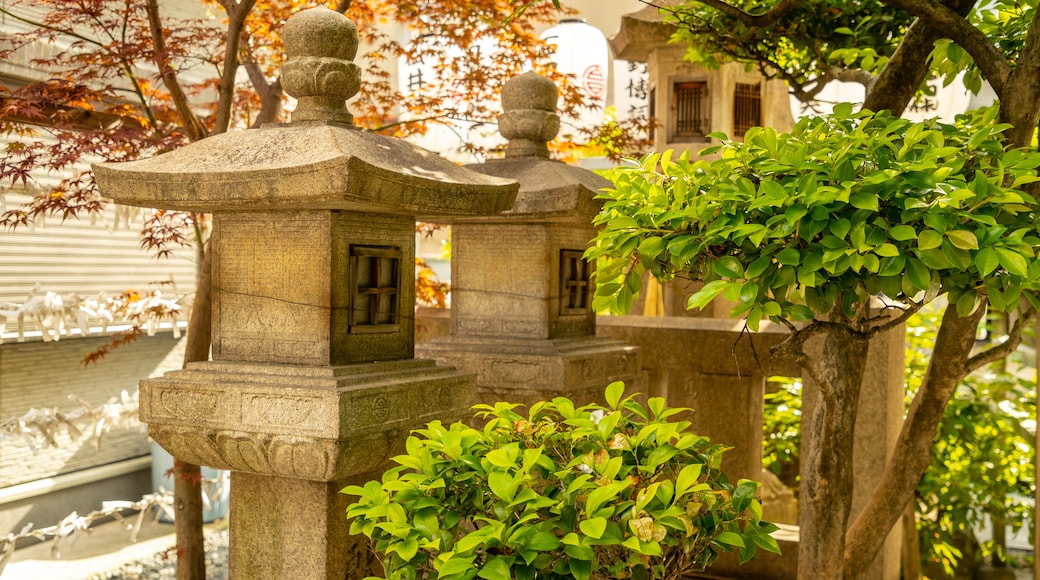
(1003, 349)
(991, 61)
(754, 20)
(853, 75)
(237, 13)
(32, 22)
(905, 315)
(192, 125)
(792, 349)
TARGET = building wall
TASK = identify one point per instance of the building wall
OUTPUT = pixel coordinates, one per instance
(42, 376)
(666, 67)
(79, 257)
(83, 257)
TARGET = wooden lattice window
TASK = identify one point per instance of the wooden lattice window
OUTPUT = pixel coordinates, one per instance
(375, 281)
(747, 108)
(691, 109)
(575, 278)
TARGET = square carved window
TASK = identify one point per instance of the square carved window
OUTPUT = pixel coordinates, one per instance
(375, 289)
(747, 108)
(575, 283)
(691, 109)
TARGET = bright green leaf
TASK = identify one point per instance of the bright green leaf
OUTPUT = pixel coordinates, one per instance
(729, 267)
(594, 527)
(963, 239)
(929, 239)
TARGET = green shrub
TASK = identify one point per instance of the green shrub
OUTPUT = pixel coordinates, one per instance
(622, 491)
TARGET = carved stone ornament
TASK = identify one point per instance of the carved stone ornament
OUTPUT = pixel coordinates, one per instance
(319, 47)
(293, 457)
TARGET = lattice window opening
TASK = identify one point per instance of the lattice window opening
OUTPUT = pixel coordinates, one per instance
(375, 289)
(575, 283)
(692, 118)
(747, 108)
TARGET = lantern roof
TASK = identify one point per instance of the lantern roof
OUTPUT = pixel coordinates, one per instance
(642, 32)
(317, 161)
(549, 189)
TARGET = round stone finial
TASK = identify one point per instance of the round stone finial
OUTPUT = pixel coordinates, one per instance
(319, 46)
(529, 116)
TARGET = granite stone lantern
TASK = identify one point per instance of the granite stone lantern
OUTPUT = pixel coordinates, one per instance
(313, 384)
(521, 312)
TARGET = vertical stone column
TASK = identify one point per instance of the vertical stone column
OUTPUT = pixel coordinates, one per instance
(313, 384)
(521, 315)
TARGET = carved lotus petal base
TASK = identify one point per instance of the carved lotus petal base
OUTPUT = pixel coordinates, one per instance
(311, 423)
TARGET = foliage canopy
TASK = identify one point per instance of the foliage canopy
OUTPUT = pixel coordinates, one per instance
(842, 209)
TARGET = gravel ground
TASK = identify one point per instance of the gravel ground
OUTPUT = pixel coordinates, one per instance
(163, 565)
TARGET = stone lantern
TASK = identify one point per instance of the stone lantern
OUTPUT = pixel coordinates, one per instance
(313, 384)
(521, 313)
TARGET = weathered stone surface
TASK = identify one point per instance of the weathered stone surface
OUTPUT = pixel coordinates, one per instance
(713, 367)
(520, 296)
(529, 91)
(527, 371)
(313, 384)
(300, 166)
(289, 297)
(319, 45)
(314, 423)
(318, 548)
(641, 32)
(523, 323)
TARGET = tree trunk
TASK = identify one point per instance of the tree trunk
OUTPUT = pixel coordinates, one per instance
(1020, 97)
(913, 452)
(187, 521)
(908, 68)
(187, 478)
(827, 470)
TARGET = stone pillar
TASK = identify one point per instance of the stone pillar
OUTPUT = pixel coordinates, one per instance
(713, 367)
(521, 314)
(313, 384)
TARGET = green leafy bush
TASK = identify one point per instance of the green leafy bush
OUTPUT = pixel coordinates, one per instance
(782, 427)
(616, 491)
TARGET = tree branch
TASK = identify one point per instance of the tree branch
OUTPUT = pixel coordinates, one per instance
(237, 13)
(852, 75)
(31, 22)
(898, 81)
(752, 20)
(904, 315)
(792, 348)
(192, 125)
(993, 63)
(1003, 349)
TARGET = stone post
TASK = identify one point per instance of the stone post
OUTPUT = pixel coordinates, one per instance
(521, 314)
(313, 384)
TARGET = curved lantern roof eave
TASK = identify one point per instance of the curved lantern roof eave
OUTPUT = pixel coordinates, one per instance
(305, 165)
(641, 32)
(550, 190)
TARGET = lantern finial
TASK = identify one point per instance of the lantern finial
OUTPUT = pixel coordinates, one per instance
(319, 46)
(529, 116)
